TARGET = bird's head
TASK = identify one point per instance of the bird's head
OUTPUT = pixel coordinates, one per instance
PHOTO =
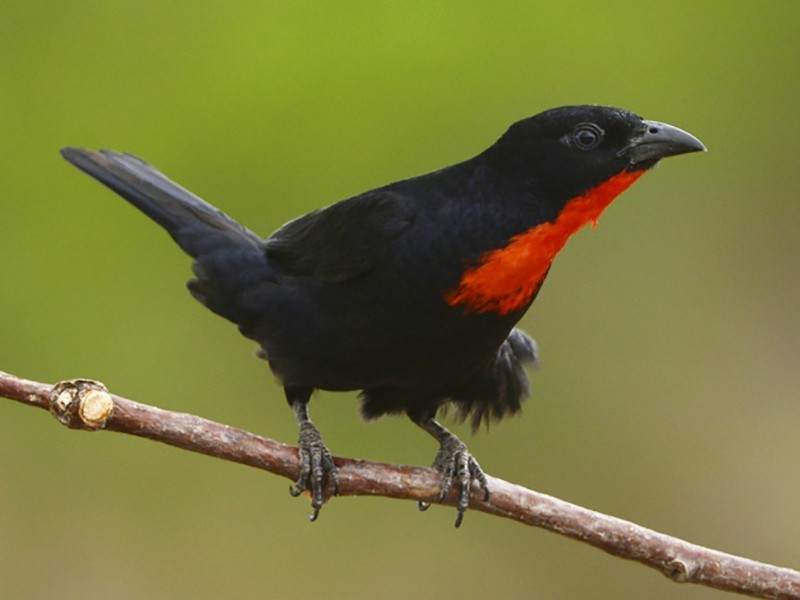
(571, 149)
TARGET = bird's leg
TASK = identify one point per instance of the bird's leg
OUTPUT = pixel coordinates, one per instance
(316, 462)
(455, 463)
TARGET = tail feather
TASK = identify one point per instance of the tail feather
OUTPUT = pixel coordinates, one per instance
(229, 258)
(194, 224)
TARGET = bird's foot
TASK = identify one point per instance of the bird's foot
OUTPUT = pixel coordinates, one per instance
(316, 466)
(458, 467)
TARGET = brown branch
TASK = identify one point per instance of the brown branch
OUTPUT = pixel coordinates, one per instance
(86, 404)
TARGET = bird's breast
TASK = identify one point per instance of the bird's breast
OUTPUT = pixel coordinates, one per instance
(506, 279)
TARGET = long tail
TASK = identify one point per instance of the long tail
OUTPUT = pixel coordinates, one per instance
(228, 257)
(195, 225)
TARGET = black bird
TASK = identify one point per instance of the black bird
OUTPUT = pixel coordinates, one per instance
(409, 292)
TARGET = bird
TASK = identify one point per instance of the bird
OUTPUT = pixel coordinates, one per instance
(409, 293)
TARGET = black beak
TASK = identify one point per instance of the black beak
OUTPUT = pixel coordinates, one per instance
(658, 141)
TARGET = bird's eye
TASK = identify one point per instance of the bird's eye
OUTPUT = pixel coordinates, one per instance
(587, 135)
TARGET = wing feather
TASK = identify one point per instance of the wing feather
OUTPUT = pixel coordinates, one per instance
(342, 241)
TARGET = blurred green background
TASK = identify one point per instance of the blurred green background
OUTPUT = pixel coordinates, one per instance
(670, 336)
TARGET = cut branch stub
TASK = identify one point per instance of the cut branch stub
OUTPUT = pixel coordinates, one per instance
(81, 404)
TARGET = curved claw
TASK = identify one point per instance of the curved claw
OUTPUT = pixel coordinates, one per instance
(459, 519)
(423, 506)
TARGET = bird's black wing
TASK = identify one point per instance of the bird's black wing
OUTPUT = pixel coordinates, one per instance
(342, 241)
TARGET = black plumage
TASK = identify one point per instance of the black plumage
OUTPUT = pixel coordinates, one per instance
(357, 295)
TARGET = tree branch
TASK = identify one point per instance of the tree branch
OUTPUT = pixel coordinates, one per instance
(86, 404)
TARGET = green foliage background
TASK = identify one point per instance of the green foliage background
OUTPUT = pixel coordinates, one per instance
(670, 336)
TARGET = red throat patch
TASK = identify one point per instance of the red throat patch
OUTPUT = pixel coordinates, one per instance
(505, 280)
